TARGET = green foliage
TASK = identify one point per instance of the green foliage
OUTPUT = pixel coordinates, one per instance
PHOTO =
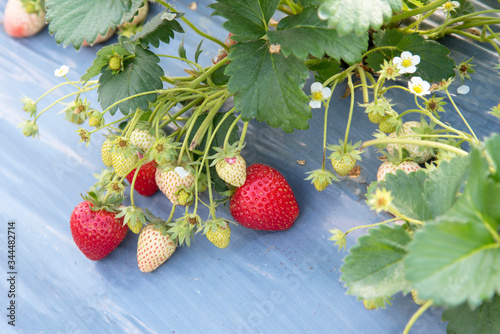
(466, 7)
(358, 16)
(102, 59)
(141, 74)
(74, 21)
(305, 34)
(374, 267)
(435, 64)
(268, 86)
(158, 29)
(452, 262)
(323, 68)
(483, 319)
(247, 20)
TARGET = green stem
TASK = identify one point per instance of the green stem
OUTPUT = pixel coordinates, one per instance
(59, 100)
(398, 214)
(190, 62)
(371, 225)
(206, 74)
(210, 195)
(415, 316)
(230, 130)
(416, 11)
(362, 78)
(180, 112)
(461, 116)
(243, 134)
(325, 124)
(192, 26)
(190, 126)
(169, 219)
(414, 142)
(351, 109)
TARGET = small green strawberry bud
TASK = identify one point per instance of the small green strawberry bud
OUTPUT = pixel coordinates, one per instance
(84, 136)
(116, 63)
(321, 178)
(95, 119)
(386, 126)
(321, 185)
(375, 117)
(184, 198)
(30, 128)
(29, 105)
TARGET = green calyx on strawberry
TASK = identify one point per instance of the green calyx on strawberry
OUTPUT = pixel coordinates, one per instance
(171, 180)
(321, 178)
(390, 123)
(29, 105)
(84, 136)
(182, 229)
(163, 151)
(265, 201)
(217, 232)
(378, 109)
(344, 156)
(76, 111)
(230, 165)
(145, 182)
(94, 226)
(34, 6)
(376, 303)
(133, 217)
(123, 156)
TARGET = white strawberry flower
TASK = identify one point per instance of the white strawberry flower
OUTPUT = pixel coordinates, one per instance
(450, 6)
(62, 71)
(407, 62)
(318, 94)
(418, 86)
(181, 171)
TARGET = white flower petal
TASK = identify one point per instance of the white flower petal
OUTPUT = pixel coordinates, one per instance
(415, 60)
(62, 71)
(315, 104)
(416, 80)
(316, 87)
(181, 171)
(410, 69)
(326, 92)
(406, 54)
(397, 60)
(464, 89)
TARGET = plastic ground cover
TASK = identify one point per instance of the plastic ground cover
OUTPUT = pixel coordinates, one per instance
(264, 282)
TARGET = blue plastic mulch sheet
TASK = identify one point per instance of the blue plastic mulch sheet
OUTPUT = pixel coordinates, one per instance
(264, 282)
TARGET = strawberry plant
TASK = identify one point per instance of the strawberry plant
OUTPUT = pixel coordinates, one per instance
(186, 135)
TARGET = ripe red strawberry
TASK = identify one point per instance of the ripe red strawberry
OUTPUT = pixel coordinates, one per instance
(171, 181)
(153, 249)
(96, 233)
(19, 21)
(265, 201)
(389, 167)
(145, 183)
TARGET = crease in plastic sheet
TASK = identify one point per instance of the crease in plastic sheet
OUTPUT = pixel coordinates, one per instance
(264, 282)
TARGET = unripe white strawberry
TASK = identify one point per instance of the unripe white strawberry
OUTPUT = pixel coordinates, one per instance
(417, 153)
(18, 23)
(123, 157)
(106, 154)
(171, 181)
(232, 170)
(391, 167)
(142, 139)
(153, 248)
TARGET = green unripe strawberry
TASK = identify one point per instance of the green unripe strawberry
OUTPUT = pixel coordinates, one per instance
(105, 154)
(220, 237)
(184, 198)
(115, 63)
(321, 185)
(343, 165)
(386, 126)
(375, 117)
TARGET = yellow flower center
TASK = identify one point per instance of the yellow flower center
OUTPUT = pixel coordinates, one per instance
(448, 6)
(406, 62)
(418, 89)
(317, 96)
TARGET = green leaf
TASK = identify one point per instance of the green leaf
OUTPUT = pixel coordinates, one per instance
(358, 16)
(374, 267)
(466, 7)
(492, 150)
(247, 20)
(305, 34)
(102, 59)
(268, 86)
(481, 320)
(435, 64)
(323, 68)
(74, 21)
(452, 263)
(158, 29)
(141, 74)
(384, 38)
